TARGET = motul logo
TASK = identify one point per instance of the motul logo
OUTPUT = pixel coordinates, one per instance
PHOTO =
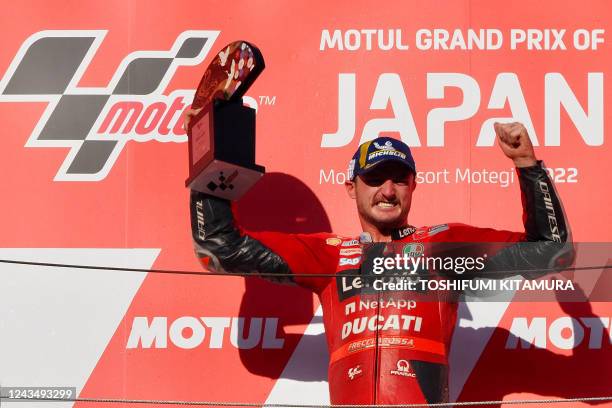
(565, 333)
(189, 332)
(96, 123)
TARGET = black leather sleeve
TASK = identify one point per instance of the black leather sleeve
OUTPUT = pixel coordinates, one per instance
(543, 214)
(221, 247)
(547, 235)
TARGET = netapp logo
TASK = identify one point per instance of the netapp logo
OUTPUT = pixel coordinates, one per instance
(96, 123)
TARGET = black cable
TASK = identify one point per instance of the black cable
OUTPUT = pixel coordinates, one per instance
(271, 275)
(299, 405)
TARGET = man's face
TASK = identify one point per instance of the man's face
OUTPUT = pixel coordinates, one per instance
(384, 195)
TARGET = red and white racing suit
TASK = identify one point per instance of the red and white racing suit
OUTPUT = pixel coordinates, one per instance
(385, 347)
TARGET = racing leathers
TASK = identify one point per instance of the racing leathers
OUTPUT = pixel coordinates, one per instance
(385, 347)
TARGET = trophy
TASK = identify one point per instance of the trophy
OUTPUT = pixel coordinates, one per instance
(222, 135)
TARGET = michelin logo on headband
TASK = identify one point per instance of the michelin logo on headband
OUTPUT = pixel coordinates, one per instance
(378, 153)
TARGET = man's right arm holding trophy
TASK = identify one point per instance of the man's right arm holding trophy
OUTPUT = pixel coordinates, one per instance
(222, 168)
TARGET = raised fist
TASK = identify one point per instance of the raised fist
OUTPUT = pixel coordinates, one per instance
(515, 143)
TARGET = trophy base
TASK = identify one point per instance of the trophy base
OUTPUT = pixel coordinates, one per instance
(225, 180)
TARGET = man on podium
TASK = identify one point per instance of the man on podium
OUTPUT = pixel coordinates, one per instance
(382, 352)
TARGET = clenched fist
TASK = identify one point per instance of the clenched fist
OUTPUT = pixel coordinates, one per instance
(515, 143)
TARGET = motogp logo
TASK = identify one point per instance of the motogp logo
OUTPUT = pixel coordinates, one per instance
(96, 123)
(354, 372)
